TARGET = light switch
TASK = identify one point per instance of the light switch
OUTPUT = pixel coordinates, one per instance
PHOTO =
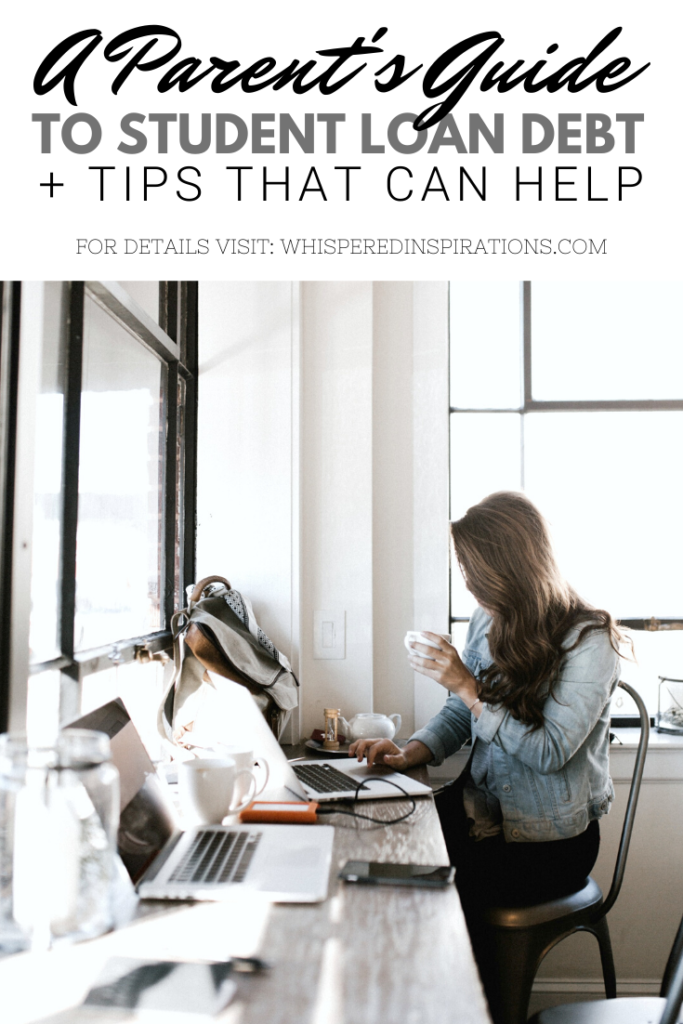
(329, 634)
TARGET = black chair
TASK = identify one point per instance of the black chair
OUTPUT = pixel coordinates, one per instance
(516, 939)
(636, 1010)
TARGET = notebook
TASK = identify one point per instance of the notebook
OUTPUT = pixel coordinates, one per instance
(164, 986)
(287, 863)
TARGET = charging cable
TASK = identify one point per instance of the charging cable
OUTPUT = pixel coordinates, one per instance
(367, 817)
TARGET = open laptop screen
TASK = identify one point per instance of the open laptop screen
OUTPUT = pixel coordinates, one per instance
(147, 816)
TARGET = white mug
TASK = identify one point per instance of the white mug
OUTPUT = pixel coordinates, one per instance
(414, 636)
(243, 756)
(207, 786)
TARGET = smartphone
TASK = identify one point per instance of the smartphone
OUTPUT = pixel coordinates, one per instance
(422, 876)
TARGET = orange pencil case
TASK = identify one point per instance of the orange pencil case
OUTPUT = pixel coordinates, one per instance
(293, 812)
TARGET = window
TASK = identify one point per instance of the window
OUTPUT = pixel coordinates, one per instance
(573, 392)
(99, 400)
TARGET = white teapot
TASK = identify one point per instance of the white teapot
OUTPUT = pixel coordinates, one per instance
(371, 726)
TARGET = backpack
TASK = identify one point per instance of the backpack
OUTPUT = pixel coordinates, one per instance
(221, 635)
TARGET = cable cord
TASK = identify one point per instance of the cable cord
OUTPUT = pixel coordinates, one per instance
(367, 817)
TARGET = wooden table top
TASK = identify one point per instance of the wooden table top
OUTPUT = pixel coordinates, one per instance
(367, 955)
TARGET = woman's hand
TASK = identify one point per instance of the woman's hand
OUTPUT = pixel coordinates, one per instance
(445, 666)
(383, 751)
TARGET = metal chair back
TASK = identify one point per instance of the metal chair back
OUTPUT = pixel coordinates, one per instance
(517, 938)
(675, 998)
(634, 792)
(626, 1010)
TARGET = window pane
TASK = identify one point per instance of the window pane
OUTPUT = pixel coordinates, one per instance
(610, 485)
(657, 654)
(485, 344)
(459, 631)
(606, 340)
(140, 687)
(146, 294)
(485, 457)
(119, 537)
(47, 506)
(42, 707)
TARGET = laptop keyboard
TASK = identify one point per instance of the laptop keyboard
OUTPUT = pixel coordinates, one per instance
(323, 778)
(217, 857)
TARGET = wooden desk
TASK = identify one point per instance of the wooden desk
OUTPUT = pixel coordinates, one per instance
(365, 956)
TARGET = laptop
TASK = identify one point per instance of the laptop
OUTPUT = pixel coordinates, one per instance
(338, 779)
(287, 863)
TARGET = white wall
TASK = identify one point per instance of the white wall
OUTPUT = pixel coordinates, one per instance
(247, 502)
(430, 483)
(336, 491)
(328, 424)
(393, 429)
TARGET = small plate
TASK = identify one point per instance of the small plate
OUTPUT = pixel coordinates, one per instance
(319, 749)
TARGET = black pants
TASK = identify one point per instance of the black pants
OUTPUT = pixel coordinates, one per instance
(492, 872)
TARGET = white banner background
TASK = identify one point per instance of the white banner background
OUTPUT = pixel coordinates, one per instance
(39, 237)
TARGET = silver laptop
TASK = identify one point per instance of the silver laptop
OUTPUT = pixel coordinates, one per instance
(348, 780)
(338, 779)
(288, 863)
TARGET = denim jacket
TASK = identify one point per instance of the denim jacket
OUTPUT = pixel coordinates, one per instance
(553, 781)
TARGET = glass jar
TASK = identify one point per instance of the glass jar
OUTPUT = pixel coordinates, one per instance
(59, 811)
(670, 705)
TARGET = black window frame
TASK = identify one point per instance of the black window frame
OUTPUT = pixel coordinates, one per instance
(530, 405)
(174, 340)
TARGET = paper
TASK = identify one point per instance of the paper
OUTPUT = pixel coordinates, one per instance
(164, 986)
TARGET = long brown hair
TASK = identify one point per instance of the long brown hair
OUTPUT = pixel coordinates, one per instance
(504, 551)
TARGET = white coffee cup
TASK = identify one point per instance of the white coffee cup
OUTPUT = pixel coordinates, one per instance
(243, 756)
(414, 636)
(207, 786)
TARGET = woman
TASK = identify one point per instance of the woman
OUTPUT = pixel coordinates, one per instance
(532, 689)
